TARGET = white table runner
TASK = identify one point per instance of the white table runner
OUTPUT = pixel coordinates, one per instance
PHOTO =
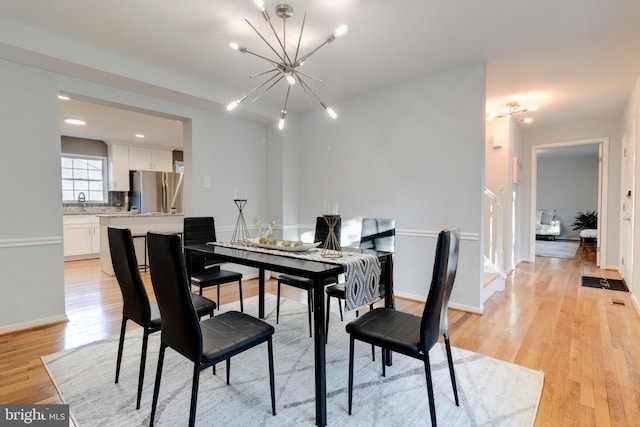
(361, 271)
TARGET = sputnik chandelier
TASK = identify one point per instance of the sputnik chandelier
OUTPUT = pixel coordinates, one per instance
(286, 65)
(514, 111)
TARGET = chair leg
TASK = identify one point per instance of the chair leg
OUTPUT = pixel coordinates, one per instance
(143, 361)
(272, 385)
(194, 394)
(350, 393)
(432, 404)
(123, 329)
(451, 370)
(156, 387)
(278, 305)
(200, 292)
(240, 292)
(218, 297)
(340, 307)
(310, 304)
(384, 363)
(228, 370)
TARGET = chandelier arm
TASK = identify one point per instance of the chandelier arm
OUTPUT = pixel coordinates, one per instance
(262, 57)
(306, 91)
(304, 20)
(304, 58)
(296, 72)
(286, 99)
(267, 89)
(263, 73)
(261, 85)
(284, 51)
(265, 40)
(305, 85)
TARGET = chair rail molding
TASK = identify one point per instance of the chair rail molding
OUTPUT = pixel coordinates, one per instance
(30, 241)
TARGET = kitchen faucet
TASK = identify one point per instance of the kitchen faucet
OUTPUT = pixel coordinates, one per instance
(82, 201)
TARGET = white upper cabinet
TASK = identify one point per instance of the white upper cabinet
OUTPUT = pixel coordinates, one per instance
(141, 158)
(118, 167)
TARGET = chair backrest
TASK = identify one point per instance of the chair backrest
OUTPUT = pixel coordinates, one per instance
(378, 234)
(434, 318)
(180, 324)
(322, 230)
(135, 300)
(198, 230)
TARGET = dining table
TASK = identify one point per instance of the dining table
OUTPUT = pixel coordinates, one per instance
(317, 271)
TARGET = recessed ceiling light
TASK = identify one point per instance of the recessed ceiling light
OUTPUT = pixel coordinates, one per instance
(77, 122)
(63, 97)
(139, 135)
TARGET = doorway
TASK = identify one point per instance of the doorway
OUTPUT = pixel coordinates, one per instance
(595, 145)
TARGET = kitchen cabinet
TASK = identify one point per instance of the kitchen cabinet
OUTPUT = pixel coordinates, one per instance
(150, 159)
(118, 167)
(81, 234)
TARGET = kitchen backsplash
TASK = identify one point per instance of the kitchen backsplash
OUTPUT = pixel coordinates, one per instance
(116, 204)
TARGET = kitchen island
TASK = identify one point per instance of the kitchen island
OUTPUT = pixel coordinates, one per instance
(139, 224)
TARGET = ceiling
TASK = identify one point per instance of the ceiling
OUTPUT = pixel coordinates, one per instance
(575, 59)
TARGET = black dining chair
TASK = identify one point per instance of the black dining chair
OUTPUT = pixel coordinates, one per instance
(204, 272)
(205, 342)
(412, 335)
(320, 235)
(135, 301)
(377, 234)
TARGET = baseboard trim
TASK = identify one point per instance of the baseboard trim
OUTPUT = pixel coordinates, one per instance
(33, 324)
(452, 305)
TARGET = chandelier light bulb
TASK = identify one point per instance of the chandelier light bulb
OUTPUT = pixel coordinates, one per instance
(232, 105)
(492, 116)
(341, 30)
(290, 79)
(527, 120)
(533, 108)
(260, 4)
(281, 122)
(329, 110)
(234, 46)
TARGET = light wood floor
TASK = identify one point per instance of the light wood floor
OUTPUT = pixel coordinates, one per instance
(588, 348)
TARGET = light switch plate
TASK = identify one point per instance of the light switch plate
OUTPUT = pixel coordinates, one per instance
(207, 182)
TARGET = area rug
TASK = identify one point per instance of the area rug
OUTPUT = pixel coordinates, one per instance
(604, 283)
(491, 392)
(556, 248)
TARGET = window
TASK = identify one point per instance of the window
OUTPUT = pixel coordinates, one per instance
(83, 174)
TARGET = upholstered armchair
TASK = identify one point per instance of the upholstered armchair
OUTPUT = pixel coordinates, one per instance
(547, 223)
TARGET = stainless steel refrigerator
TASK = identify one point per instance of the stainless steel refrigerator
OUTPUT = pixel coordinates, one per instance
(156, 191)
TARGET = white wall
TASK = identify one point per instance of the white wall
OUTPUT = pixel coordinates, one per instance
(31, 254)
(569, 185)
(413, 152)
(631, 250)
(231, 151)
(579, 131)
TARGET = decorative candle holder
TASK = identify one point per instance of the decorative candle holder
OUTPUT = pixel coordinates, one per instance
(241, 233)
(331, 247)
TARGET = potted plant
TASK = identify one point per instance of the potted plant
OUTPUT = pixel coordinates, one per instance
(586, 221)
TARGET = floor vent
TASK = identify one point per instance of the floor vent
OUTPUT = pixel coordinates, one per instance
(617, 301)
